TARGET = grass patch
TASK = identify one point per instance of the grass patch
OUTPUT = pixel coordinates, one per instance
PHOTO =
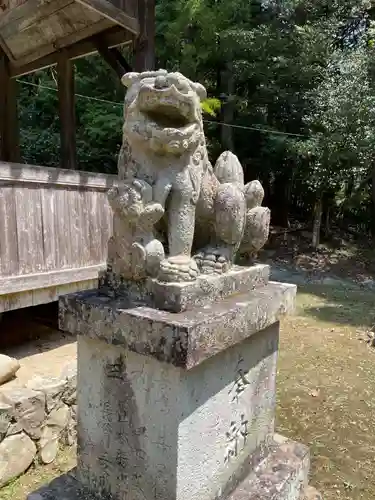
(39, 475)
(325, 386)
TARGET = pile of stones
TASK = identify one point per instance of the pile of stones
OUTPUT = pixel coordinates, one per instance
(35, 420)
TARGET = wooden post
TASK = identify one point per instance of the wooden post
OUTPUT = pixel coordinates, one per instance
(145, 44)
(65, 83)
(113, 58)
(9, 131)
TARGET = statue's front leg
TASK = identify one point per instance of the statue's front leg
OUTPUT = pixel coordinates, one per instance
(181, 222)
(180, 266)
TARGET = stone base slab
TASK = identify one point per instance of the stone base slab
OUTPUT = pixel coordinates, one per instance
(178, 297)
(282, 475)
(184, 339)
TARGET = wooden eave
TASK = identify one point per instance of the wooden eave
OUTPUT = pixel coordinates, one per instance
(34, 32)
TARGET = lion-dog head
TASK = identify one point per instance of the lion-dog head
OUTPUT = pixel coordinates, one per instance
(162, 112)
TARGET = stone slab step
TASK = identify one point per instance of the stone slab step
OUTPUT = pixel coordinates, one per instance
(283, 474)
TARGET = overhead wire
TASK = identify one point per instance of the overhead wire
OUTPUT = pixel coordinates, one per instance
(120, 104)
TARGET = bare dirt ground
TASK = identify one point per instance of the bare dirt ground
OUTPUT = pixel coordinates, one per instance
(342, 258)
(46, 352)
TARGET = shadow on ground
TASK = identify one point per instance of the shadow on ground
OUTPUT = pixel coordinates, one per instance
(343, 306)
(35, 329)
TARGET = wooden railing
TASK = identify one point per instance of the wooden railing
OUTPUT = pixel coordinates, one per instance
(54, 229)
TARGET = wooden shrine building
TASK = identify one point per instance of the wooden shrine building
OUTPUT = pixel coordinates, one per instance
(55, 222)
(35, 34)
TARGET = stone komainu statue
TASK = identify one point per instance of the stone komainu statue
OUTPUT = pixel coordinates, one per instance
(175, 216)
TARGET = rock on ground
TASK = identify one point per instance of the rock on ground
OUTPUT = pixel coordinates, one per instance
(8, 368)
(28, 408)
(57, 421)
(70, 432)
(69, 375)
(48, 445)
(52, 387)
(5, 418)
(16, 455)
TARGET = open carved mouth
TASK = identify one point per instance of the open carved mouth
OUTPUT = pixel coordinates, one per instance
(168, 117)
(166, 109)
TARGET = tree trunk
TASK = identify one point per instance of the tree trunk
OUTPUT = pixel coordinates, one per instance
(281, 200)
(318, 209)
(351, 193)
(328, 201)
(349, 188)
(373, 203)
(327, 229)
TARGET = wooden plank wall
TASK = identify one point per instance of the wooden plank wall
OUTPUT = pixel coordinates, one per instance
(44, 228)
(54, 226)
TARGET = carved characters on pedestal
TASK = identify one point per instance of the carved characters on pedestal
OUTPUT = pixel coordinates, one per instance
(236, 436)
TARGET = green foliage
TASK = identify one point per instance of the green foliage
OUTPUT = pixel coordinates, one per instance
(342, 122)
(99, 104)
(211, 106)
(295, 69)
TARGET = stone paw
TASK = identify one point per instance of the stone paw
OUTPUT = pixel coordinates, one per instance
(213, 261)
(138, 259)
(178, 269)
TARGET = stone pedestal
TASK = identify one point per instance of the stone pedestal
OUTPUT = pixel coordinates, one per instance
(180, 405)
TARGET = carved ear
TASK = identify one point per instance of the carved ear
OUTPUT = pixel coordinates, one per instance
(200, 90)
(129, 78)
